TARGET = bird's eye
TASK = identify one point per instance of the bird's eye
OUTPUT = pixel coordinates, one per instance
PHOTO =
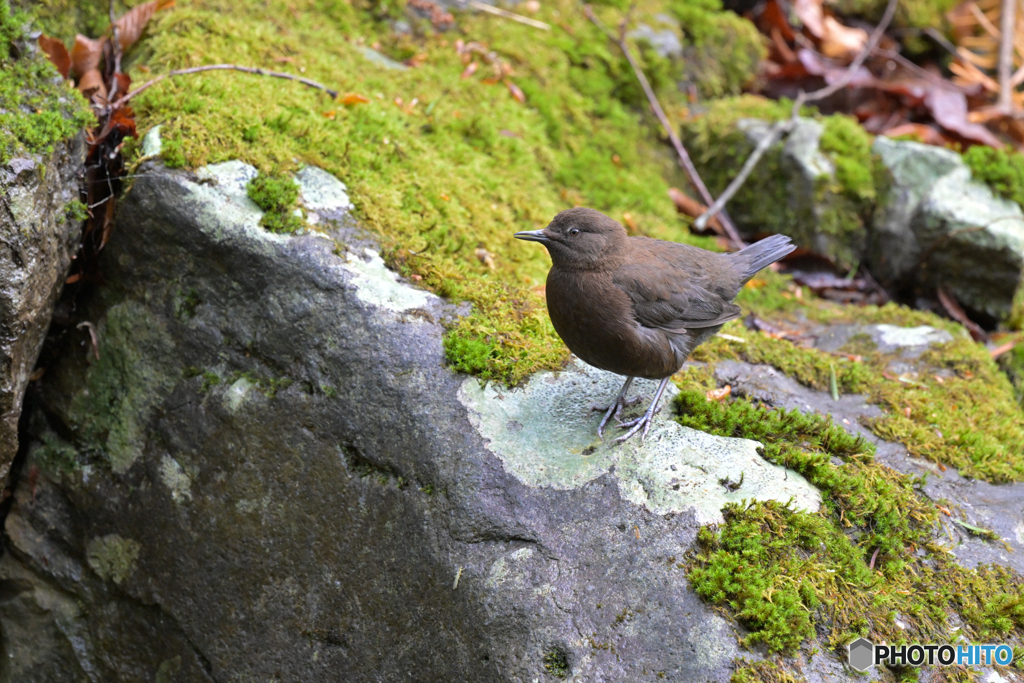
(574, 231)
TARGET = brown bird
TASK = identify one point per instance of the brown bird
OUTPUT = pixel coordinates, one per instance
(637, 306)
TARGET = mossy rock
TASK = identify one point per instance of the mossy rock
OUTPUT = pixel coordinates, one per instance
(818, 185)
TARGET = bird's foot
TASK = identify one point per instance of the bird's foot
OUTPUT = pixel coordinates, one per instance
(613, 411)
(643, 422)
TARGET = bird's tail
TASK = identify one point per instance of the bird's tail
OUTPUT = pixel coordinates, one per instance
(763, 253)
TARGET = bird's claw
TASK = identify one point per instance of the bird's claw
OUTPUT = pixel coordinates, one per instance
(613, 411)
(634, 426)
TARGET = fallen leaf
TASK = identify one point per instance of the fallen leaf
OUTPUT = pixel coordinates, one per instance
(57, 52)
(91, 85)
(470, 70)
(842, 41)
(131, 25)
(948, 107)
(330, 114)
(85, 55)
(352, 98)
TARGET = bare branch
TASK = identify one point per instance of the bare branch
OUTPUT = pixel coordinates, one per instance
(1007, 25)
(475, 4)
(652, 99)
(115, 46)
(225, 67)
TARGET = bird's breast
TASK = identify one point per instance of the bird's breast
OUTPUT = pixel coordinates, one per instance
(595, 320)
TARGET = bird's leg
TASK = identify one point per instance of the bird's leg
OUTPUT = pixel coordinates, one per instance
(615, 408)
(644, 420)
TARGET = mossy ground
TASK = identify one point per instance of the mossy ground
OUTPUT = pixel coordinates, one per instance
(36, 109)
(441, 168)
(865, 565)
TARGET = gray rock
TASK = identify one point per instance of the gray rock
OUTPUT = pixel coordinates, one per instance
(911, 342)
(38, 241)
(939, 227)
(665, 41)
(269, 473)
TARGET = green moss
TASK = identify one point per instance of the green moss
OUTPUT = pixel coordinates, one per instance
(725, 48)
(76, 211)
(1002, 170)
(765, 671)
(854, 568)
(277, 195)
(36, 109)
(849, 147)
(556, 663)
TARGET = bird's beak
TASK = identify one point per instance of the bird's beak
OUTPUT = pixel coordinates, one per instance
(533, 236)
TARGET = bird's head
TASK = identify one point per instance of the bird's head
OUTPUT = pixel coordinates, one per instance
(581, 239)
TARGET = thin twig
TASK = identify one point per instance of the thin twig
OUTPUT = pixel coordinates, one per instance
(1007, 23)
(652, 99)
(508, 15)
(785, 127)
(226, 67)
(115, 46)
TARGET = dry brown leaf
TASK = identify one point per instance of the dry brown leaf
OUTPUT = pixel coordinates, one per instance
(470, 70)
(57, 52)
(91, 85)
(842, 41)
(131, 25)
(812, 14)
(85, 55)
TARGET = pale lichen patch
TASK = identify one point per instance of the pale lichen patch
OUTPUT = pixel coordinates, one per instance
(546, 436)
(113, 557)
(378, 286)
(176, 479)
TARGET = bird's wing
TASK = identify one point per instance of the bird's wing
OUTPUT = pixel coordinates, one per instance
(666, 299)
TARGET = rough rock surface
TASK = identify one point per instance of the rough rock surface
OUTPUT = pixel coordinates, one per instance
(938, 227)
(269, 474)
(37, 241)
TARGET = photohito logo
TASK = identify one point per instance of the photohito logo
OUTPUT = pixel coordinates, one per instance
(863, 654)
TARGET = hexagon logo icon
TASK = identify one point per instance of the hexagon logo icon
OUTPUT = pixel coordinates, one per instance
(862, 654)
